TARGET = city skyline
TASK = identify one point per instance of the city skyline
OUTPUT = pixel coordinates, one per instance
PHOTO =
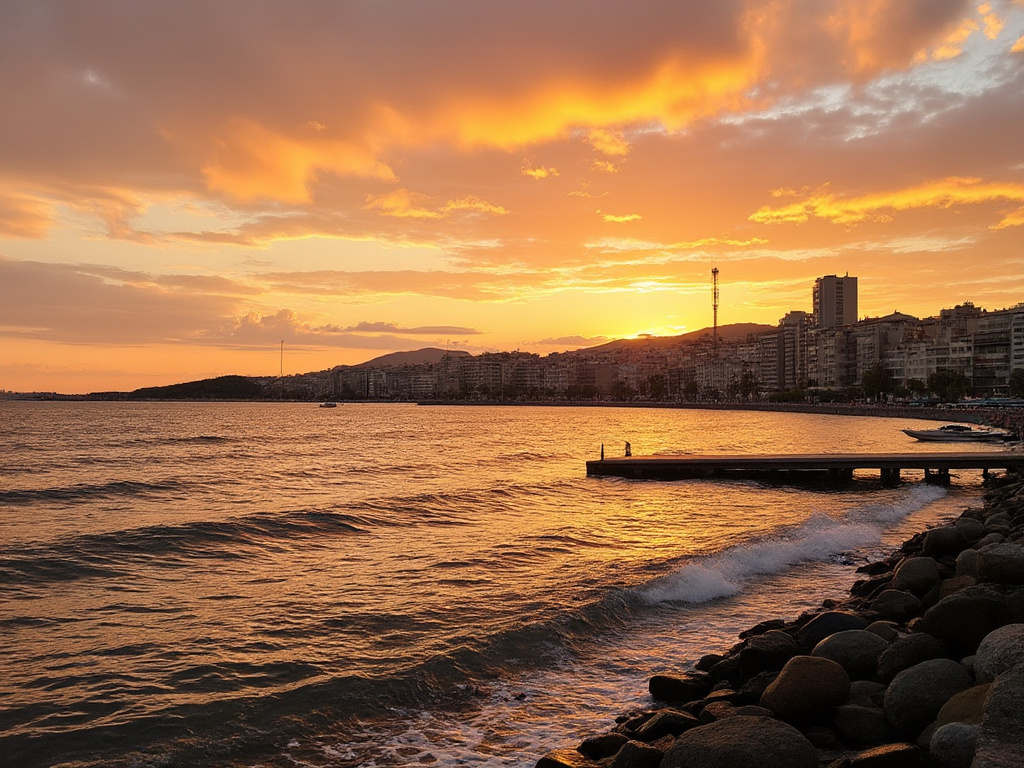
(184, 187)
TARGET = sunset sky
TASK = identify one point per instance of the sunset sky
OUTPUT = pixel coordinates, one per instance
(185, 184)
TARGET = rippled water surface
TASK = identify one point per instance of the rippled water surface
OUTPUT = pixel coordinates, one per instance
(278, 584)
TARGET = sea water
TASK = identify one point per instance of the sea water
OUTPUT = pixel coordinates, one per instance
(257, 584)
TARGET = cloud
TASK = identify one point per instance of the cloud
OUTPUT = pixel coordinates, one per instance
(570, 342)
(402, 203)
(539, 173)
(423, 330)
(619, 219)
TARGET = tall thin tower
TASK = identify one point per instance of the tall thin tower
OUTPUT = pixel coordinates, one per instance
(714, 308)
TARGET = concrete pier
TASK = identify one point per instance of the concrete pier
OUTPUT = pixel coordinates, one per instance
(833, 469)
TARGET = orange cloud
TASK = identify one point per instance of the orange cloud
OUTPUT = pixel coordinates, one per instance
(942, 193)
(251, 162)
(620, 219)
(405, 204)
(24, 216)
(539, 173)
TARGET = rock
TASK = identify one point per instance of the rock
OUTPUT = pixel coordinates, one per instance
(887, 756)
(951, 586)
(716, 710)
(861, 725)
(917, 574)
(866, 693)
(964, 618)
(605, 745)
(1001, 649)
(887, 630)
(807, 688)
(855, 650)
(989, 538)
(1001, 733)
(678, 688)
(970, 529)
(635, 754)
(1001, 563)
(898, 605)
(906, 652)
(566, 758)
(707, 661)
(828, 623)
(964, 707)
(767, 653)
(916, 695)
(742, 741)
(666, 722)
(953, 745)
(752, 690)
(940, 542)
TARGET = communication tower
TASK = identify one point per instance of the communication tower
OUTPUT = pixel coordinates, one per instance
(714, 309)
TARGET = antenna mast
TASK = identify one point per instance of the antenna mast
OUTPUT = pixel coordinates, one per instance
(714, 308)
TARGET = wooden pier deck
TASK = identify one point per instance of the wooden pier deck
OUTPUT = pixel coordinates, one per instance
(831, 468)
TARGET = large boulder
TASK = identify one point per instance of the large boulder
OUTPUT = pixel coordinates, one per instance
(964, 618)
(807, 688)
(742, 741)
(1001, 734)
(953, 745)
(685, 687)
(828, 623)
(940, 542)
(917, 574)
(1001, 649)
(906, 652)
(855, 650)
(767, 653)
(964, 707)
(635, 754)
(897, 605)
(1001, 563)
(916, 695)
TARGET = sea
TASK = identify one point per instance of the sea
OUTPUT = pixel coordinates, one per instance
(281, 585)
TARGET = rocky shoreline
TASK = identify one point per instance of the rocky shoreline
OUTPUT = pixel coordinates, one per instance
(923, 665)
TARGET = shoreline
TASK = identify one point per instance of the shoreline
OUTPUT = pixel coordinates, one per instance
(922, 665)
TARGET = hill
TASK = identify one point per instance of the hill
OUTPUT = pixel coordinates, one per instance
(220, 388)
(726, 334)
(428, 355)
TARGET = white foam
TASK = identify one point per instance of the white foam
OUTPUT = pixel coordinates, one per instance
(819, 538)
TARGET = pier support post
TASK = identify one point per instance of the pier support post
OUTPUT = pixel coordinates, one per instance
(891, 477)
(941, 476)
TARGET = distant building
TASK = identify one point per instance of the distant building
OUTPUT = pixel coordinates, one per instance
(835, 301)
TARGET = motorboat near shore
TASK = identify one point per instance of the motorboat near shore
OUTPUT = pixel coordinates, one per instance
(958, 433)
(329, 404)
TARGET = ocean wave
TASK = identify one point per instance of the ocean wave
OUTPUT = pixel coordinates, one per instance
(84, 492)
(820, 538)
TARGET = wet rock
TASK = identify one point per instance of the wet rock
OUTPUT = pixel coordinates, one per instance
(752, 690)
(964, 707)
(861, 725)
(742, 741)
(1000, 650)
(828, 623)
(1001, 733)
(897, 605)
(953, 745)
(951, 586)
(666, 722)
(967, 563)
(635, 754)
(887, 756)
(767, 653)
(566, 758)
(605, 745)
(990, 538)
(917, 575)
(855, 650)
(940, 542)
(916, 695)
(716, 710)
(1001, 563)
(807, 688)
(906, 652)
(685, 687)
(964, 618)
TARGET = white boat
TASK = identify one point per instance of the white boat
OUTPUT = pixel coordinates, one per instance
(328, 404)
(957, 433)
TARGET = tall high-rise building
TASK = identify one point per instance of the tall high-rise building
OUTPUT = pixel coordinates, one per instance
(835, 301)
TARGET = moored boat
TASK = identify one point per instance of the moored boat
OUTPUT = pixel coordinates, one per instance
(957, 433)
(328, 404)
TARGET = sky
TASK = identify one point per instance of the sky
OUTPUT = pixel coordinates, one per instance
(191, 189)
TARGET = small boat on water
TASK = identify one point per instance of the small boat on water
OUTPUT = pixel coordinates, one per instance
(957, 433)
(328, 404)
